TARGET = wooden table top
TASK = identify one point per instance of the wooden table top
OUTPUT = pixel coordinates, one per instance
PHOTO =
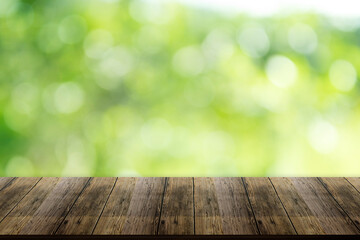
(179, 206)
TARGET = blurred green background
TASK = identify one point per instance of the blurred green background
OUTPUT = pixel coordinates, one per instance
(134, 88)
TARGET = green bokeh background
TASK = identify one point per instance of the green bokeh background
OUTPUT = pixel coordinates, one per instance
(131, 88)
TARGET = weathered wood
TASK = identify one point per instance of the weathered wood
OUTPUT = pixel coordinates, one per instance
(54, 208)
(355, 181)
(177, 216)
(113, 218)
(86, 211)
(5, 181)
(304, 221)
(13, 192)
(346, 195)
(235, 209)
(144, 210)
(179, 206)
(332, 218)
(207, 213)
(270, 215)
(24, 211)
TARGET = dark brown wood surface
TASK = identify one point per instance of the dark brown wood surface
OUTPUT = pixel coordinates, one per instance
(305, 222)
(179, 206)
(177, 215)
(50, 214)
(143, 214)
(207, 212)
(332, 217)
(270, 215)
(86, 211)
(114, 215)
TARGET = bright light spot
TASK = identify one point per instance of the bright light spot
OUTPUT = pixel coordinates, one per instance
(217, 45)
(323, 136)
(48, 40)
(7, 7)
(156, 134)
(281, 71)
(188, 61)
(23, 98)
(302, 38)
(342, 75)
(346, 24)
(269, 97)
(254, 41)
(97, 43)
(158, 12)
(72, 29)
(68, 98)
(115, 64)
(19, 167)
(344, 8)
(78, 163)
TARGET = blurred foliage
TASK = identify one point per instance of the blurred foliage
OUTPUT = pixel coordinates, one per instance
(156, 88)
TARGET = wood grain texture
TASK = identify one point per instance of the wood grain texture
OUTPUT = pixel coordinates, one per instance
(355, 181)
(144, 210)
(346, 195)
(270, 215)
(86, 211)
(179, 206)
(5, 181)
(54, 208)
(207, 213)
(177, 216)
(234, 206)
(114, 216)
(24, 211)
(13, 192)
(304, 221)
(330, 215)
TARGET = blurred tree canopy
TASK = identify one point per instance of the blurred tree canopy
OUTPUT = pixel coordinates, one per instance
(156, 88)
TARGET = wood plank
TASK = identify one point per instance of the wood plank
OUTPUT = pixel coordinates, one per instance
(270, 215)
(5, 181)
(346, 195)
(235, 209)
(177, 216)
(114, 216)
(355, 181)
(144, 210)
(86, 211)
(14, 192)
(207, 213)
(54, 208)
(23, 212)
(304, 221)
(332, 218)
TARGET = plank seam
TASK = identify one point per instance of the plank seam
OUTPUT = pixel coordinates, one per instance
(252, 210)
(351, 184)
(92, 232)
(20, 200)
(8, 183)
(82, 190)
(283, 206)
(161, 205)
(324, 185)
